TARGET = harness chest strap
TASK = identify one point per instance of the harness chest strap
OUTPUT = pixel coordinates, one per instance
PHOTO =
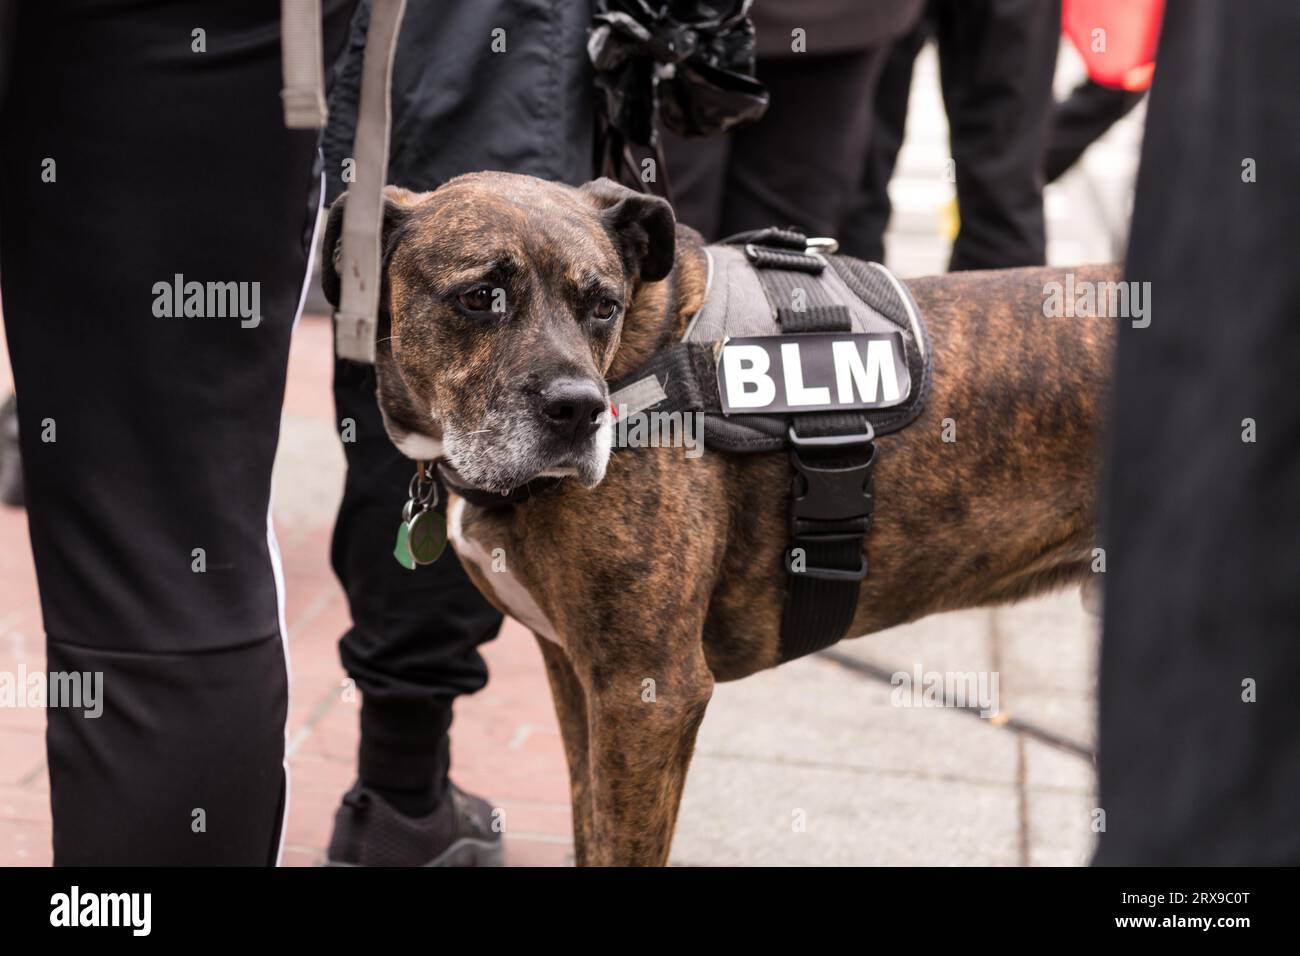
(833, 455)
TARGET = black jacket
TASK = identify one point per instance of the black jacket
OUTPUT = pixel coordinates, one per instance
(458, 106)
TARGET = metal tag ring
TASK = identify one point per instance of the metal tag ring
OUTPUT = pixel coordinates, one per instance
(426, 493)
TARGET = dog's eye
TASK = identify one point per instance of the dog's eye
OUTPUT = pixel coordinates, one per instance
(478, 299)
(605, 309)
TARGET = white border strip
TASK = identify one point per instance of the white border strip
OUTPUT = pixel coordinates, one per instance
(912, 318)
(273, 544)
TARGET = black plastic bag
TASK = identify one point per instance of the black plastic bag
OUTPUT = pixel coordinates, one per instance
(691, 62)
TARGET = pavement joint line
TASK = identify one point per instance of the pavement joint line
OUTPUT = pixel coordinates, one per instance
(312, 611)
(861, 770)
(1055, 789)
(27, 779)
(317, 714)
(534, 804)
(317, 854)
(1001, 720)
(511, 836)
(1022, 798)
(1022, 804)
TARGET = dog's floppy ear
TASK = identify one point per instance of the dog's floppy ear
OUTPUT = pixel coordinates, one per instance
(397, 203)
(643, 227)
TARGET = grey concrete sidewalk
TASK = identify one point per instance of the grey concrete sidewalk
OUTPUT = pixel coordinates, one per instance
(819, 744)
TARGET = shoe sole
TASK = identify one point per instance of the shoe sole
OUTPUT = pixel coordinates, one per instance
(464, 852)
(471, 852)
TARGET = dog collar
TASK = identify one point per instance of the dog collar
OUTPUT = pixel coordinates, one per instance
(491, 500)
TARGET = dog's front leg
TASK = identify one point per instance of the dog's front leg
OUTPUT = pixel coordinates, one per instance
(571, 710)
(641, 729)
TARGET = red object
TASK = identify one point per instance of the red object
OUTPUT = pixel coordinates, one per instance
(1116, 38)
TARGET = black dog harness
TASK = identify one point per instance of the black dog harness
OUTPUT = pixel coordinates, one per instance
(796, 348)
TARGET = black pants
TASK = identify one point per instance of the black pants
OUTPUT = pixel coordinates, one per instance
(1199, 755)
(996, 59)
(797, 166)
(1081, 119)
(147, 441)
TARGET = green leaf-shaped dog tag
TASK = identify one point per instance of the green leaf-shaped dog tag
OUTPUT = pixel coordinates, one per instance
(402, 552)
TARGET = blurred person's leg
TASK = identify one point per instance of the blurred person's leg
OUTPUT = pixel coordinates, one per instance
(1081, 119)
(413, 644)
(801, 163)
(863, 231)
(996, 59)
(131, 158)
(1199, 756)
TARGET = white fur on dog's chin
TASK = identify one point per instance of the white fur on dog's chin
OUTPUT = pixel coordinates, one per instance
(604, 445)
(419, 447)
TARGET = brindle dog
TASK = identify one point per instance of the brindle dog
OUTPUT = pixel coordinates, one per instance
(645, 565)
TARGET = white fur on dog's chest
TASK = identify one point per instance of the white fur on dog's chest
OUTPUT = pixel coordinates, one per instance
(509, 591)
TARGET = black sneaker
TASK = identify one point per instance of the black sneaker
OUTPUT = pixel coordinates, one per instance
(369, 831)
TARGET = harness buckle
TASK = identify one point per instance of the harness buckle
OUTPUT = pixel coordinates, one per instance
(826, 492)
(832, 503)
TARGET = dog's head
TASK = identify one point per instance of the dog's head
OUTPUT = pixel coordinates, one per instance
(503, 302)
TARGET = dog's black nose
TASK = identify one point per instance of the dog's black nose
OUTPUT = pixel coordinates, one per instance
(572, 407)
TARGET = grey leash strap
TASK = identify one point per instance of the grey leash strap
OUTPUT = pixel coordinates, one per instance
(359, 252)
(302, 64)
